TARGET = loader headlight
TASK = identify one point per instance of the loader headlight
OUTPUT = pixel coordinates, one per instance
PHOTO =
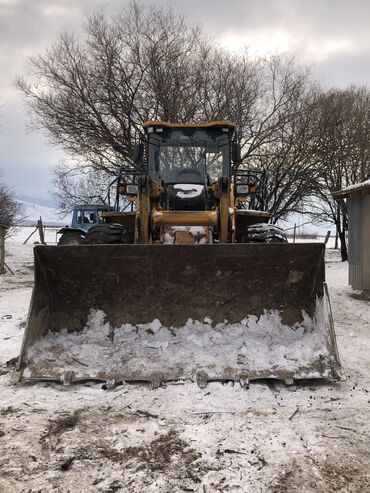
(242, 189)
(125, 189)
(132, 189)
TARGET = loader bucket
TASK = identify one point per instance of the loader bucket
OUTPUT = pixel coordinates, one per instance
(159, 313)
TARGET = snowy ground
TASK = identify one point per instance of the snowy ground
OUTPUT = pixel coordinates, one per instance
(270, 438)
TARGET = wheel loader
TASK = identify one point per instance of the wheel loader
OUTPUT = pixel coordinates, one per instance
(189, 281)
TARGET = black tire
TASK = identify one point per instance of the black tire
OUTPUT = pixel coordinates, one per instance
(71, 238)
(106, 234)
(264, 233)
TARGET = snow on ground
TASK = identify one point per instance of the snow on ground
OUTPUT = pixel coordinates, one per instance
(15, 248)
(271, 438)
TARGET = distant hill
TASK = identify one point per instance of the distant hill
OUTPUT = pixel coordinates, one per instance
(31, 212)
(37, 200)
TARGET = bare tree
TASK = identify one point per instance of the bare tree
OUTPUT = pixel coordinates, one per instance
(91, 95)
(10, 208)
(283, 144)
(82, 186)
(342, 152)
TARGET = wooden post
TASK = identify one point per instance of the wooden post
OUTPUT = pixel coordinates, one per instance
(2, 249)
(295, 231)
(41, 231)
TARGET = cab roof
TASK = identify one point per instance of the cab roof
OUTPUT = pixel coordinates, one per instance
(216, 123)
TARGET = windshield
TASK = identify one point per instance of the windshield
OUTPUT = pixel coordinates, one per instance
(189, 155)
(180, 162)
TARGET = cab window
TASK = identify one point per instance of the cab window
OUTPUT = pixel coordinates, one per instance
(86, 217)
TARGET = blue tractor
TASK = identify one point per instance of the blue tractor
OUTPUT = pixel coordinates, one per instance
(83, 218)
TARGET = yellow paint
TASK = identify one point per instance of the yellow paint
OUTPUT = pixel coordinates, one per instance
(232, 213)
(224, 213)
(142, 217)
(185, 218)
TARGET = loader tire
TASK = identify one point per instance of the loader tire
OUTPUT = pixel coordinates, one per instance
(264, 233)
(104, 234)
(71, 238)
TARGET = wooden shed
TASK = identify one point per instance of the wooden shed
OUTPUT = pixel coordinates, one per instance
(358, 202)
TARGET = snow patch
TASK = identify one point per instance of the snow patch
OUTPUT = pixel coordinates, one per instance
(197, 231)
(199, 234)
(188, 191)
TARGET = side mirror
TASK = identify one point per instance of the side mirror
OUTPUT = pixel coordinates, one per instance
(138, 154)
(236, 153)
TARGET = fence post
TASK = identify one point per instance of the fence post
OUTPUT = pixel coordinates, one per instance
(295, 231)
(2, 249)
(41, 231)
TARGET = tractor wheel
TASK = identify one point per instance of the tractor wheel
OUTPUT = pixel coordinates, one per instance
(71, 238)
(264, 233)
(103, 234)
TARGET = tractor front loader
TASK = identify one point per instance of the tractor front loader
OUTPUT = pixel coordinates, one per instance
(191, 283)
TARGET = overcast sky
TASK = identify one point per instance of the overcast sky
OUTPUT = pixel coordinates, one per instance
(331, 35)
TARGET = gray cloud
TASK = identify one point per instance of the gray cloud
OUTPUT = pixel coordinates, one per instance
(342, 71)
(332, 36)
(26, 158)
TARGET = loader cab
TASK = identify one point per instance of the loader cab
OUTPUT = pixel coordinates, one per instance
(187, 159)
(189, 152)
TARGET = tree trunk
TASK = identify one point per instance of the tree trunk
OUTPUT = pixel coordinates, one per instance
(341, 229)
(344, 250)
(343, 245)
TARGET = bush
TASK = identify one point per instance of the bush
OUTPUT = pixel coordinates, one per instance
(10, 208)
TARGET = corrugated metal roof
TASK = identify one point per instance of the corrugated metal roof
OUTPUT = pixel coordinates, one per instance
(363, 188)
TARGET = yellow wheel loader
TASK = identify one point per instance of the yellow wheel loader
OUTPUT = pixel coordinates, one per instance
(188, 282)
